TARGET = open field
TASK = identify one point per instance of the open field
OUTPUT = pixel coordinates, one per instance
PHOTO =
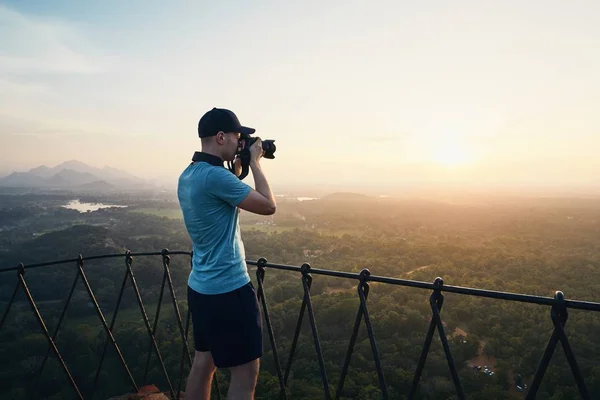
(173, 213)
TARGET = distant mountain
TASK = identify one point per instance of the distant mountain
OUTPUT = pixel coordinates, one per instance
(22, 179)
(118, 174)
(73, 178)
(97, 186)
(74, 174)
(42, 171)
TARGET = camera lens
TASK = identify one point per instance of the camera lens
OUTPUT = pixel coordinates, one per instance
(269, 148)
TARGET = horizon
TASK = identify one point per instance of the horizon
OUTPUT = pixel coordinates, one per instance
(450, 191)
(356, 96)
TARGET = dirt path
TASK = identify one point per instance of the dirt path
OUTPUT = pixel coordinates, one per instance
(458, 331)
(331, 290)
(482, 358)
(417, 269)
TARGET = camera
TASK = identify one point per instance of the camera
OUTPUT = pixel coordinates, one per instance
(268, 146)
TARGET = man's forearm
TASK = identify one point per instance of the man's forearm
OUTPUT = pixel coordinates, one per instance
(260, 182)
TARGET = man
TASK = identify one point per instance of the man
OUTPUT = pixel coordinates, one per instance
(226, 319)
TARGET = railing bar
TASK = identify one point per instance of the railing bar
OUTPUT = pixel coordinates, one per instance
(422, 359)
(166, 263)
(541, 370)
(277, 266)
(128, 262)
(112, 326)
(449, 288)
(290, 359)
(362, 293)
(436, 307)
(47, 334)
(10, 269)
(306, 277)
(88, 258)
(183, 353)
(346, 364)
(10, 303)
(155, 325)
(44, 264)
(574, 304)
(260, 275)
(57, 329)
(104, 324)
(571, 359)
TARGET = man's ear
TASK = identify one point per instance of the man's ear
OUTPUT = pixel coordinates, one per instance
(220, 137)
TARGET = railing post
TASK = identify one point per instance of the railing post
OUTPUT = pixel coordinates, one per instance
(164, 254)
(57, 329)
(306, 282)
(166, 260)
(12, 298)
(352, 342)
(107, 329)
(436, 300)
(112, 326)
(40, 320)
(296, 335)
(260, 277)
(363, 293)
(436, 307)
(128, 262)
(559, 316)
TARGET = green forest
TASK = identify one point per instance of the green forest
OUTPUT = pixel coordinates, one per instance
(531, 245)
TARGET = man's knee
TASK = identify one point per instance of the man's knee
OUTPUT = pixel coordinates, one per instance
(245, 376)
(203, 363)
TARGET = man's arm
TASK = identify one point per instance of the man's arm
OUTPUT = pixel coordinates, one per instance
(259, 201)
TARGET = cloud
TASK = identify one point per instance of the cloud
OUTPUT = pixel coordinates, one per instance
(35, 45)
(22, 88)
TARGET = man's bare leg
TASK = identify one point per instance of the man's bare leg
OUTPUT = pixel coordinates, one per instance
(200, 377)
(243, 381)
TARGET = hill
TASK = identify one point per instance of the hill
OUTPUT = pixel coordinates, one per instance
(74, 174)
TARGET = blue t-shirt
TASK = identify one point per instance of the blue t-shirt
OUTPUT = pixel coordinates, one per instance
(209, 195)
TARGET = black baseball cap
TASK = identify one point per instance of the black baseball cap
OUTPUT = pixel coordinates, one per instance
(221, 120)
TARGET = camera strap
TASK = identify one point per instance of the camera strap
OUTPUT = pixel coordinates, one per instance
(244, 156)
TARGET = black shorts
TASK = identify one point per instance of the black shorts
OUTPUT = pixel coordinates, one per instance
(229, 325)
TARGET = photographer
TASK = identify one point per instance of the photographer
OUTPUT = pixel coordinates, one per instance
(226, 319)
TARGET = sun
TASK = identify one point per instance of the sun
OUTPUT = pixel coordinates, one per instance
(450, 153)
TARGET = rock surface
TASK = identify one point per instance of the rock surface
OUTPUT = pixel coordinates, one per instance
(148, 392)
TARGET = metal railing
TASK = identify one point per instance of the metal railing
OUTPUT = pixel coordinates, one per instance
(559, 315)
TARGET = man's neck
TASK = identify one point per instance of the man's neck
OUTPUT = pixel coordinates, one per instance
(204, 156)
(211, 152)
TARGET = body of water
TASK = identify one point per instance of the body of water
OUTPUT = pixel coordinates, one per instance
(84, 207)
(301, 198)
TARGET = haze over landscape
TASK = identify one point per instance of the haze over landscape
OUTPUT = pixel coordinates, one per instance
(355, 93)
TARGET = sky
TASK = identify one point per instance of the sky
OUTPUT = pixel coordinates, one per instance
(355, 93)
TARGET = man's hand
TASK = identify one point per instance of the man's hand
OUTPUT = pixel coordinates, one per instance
(261, 199)
(256, 151)
(237, 166)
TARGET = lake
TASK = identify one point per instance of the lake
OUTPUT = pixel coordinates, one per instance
(85, 207)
